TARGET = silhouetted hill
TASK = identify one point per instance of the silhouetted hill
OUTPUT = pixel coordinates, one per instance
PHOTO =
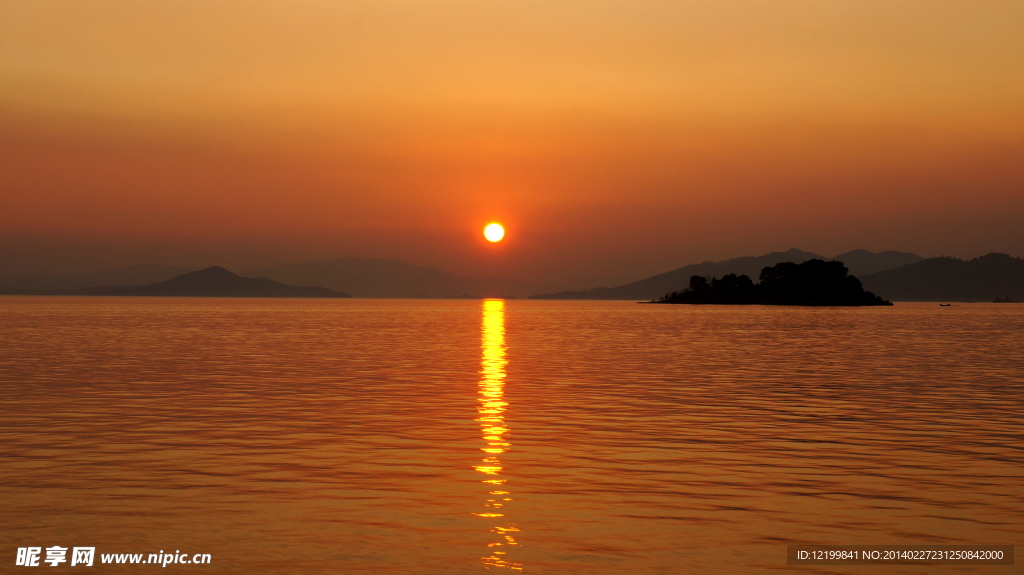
(129, 276)
(811, 283)
(389, 278)
(213, 282)
(862, 262)
(656, 286)
(659, 285)
(951, 279)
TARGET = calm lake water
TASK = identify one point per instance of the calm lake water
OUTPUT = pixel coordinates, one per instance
(444, 436)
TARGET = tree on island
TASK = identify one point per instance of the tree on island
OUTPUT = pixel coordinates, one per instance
(814, 282)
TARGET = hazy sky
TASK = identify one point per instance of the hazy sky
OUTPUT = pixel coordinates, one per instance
(616, 139)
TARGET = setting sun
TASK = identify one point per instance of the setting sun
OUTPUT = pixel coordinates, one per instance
(494, 232)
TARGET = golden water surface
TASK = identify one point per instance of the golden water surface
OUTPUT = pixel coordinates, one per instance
(460, 436)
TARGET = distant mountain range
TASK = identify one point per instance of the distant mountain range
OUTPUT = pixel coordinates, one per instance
(389, 278)
(209, 282)
(859, 262)
(356, 276)
(950, 279)
(129, 276)
(892, 275)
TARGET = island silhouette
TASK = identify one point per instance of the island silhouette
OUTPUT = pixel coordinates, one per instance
(811, 283)
(211, 282)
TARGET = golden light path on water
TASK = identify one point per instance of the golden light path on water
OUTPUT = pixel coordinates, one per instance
(491, 408)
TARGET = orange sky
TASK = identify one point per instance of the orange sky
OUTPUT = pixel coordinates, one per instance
(616, 139)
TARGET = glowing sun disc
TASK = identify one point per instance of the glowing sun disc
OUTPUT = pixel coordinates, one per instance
(494, 232)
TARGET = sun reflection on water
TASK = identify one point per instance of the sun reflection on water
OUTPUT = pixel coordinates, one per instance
(491, 409)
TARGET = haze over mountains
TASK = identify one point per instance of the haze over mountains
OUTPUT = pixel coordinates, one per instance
(211, 282)
(897, 276)
(355, 276)
(129, 276)
(858, 262)
(389, 278)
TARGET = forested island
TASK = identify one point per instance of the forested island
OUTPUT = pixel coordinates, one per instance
(812, 283)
